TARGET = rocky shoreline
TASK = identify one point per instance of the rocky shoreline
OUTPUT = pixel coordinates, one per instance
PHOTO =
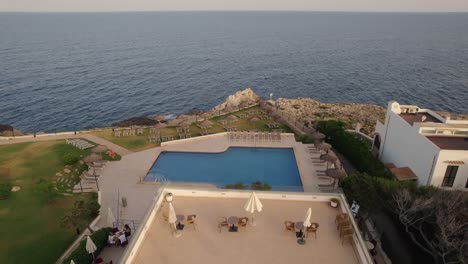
(304, 110)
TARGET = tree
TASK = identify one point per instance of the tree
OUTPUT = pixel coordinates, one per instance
(81, 214)
(436, 222)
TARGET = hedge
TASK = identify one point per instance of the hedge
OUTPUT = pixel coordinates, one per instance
(356, 151)
(5, 190)
(81, 256)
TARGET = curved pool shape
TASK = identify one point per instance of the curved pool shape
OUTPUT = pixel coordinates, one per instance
(275, 166)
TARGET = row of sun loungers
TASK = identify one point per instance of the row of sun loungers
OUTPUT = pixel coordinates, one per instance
(79, 143)
(183, 130)
(131, 132)
(154, 130)
(230, 129)
(255, 136)
(264, 117)
(273, 125)
(182, 136)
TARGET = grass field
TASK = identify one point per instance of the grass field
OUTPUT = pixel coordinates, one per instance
(30, 225)
(140, 142)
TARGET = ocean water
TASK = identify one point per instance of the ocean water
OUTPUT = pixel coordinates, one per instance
(73, 71)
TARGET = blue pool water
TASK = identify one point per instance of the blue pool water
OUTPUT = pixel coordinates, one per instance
(275, 166)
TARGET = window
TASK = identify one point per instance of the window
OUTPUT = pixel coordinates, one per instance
(450, 175)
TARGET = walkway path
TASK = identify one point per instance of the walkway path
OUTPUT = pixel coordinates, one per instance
(120, 150)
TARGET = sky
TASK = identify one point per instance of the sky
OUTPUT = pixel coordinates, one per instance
(233, 5)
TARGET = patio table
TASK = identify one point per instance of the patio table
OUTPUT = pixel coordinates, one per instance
(233, 220)
(180, 218)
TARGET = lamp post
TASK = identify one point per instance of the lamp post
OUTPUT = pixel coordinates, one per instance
(271, 96)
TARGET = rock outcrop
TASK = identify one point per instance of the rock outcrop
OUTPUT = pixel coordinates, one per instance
(237, 100)
(308, 111)
(7, 131)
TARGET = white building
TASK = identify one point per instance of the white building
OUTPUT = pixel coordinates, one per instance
(435, 148)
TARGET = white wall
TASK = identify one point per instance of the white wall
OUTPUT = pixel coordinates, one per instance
(405, 147)
(441, 167)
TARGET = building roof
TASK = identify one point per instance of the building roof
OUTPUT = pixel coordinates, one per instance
(266, 242)
(451, 143)
(418, 117)
(404, 173)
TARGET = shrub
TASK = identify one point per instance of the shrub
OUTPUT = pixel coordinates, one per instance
(47, 189)
(5, 190)
(305, 139)
(237, 186)
(106, 156)
(260, 186)
(356, 151)
(81, 256)
(70, 158)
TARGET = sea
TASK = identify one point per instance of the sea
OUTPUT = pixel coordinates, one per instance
(71, 71)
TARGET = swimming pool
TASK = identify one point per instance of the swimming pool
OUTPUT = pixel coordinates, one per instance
(275, 166)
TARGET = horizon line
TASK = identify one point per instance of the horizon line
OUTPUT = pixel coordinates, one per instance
(246, 10)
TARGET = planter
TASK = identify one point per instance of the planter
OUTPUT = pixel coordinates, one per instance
(334, 203)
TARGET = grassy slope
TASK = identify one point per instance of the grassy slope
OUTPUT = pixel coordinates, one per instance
(138, 143)
(31, 231)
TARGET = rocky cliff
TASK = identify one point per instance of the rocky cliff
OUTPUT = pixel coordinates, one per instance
(307, 110)
(7, 131)
(237, 100)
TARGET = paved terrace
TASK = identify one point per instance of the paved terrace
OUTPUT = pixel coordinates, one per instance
(267, 242)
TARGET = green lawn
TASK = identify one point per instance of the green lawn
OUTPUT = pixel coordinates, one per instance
(31, 231)
(138, 143)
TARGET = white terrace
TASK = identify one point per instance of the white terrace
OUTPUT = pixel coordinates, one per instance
(267, 242)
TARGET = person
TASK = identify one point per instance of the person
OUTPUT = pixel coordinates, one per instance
(110, 239)
(127, 230)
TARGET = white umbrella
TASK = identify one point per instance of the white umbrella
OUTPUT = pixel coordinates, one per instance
(72, 262)
(252, 205)
(110, 217)
(307, 218)
(90, 246)
(172, 215)
(172, 219)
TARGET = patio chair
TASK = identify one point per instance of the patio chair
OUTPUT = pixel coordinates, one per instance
(345, 230)
(343, 223)
(347, 235)
(290, 226)
(312, 229)
(243, 221)
(222, 221)
(191, 220)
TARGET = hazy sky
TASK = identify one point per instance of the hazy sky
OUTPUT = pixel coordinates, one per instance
(169, 5)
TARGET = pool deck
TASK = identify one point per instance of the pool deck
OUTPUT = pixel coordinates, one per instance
(123, 178)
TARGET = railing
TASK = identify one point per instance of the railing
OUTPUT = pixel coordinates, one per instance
(132, 249)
